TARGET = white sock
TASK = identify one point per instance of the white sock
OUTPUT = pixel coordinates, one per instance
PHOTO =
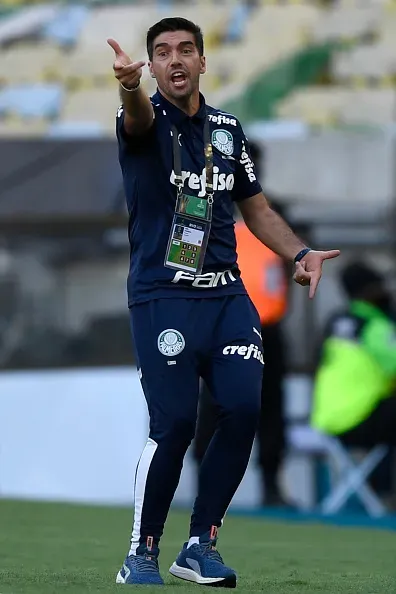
(132, 550)
(193, 540)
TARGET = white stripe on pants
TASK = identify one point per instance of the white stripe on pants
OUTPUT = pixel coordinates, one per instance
(140, 488)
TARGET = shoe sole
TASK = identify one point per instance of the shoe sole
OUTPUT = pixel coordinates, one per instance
(121, 580)
(190, 575)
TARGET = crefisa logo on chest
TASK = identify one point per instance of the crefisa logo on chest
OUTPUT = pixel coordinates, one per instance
(221, 181)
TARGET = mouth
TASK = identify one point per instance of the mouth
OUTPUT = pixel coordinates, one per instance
(178, 79)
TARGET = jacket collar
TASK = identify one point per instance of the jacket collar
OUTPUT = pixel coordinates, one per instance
(176, 115)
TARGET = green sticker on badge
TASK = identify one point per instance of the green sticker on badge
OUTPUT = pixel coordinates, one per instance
(196, 207)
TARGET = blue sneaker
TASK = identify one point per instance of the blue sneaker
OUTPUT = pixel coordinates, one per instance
(141, 568)
(201, 563)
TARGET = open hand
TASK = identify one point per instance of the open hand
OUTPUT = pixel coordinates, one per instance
(127, 72)
(309, 270)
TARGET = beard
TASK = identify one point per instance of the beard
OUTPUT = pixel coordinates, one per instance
(179, 93)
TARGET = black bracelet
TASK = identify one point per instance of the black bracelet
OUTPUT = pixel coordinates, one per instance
(301, 254)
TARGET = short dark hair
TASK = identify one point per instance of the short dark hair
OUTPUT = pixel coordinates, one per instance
(357, 277)
(174, 24)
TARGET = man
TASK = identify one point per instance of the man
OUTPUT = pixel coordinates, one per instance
(190, 315)
(354, 391)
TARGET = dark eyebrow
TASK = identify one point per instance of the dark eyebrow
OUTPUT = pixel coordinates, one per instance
(164, 44)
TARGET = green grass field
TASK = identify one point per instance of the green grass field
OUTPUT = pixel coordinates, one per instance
(49, 548)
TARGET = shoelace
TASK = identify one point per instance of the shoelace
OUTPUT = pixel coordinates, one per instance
(209, 552)
(146, 565)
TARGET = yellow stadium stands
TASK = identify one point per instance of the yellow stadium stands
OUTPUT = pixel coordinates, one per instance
(88, 105)
(340, 105)
(272, 31)
(363, 75)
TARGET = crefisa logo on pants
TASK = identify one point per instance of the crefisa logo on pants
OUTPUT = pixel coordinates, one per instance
(247, 352)
(171, 342)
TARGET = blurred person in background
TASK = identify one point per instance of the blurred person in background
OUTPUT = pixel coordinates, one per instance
(191, 321)
(266, 278)
(355, 385)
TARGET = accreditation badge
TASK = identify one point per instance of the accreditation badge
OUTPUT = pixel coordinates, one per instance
(187, 243)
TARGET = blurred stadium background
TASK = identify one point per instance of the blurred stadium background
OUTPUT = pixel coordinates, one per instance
(314, 84)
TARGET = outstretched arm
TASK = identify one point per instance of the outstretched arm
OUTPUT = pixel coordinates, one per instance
(276, 234)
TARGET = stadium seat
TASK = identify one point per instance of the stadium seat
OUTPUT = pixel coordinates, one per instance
(340, 104)
(388, 29)
(92, 106)
(31, 101)
(65, 28)
(70, 129)
(82, 69)
(346, 23)
(281, 30)
(352, 476)
(236, 27)
(369, 106)
(18, 128)
(313, 101)
(27, 63)
(370, 62)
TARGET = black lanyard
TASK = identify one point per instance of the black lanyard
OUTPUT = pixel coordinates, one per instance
(208, 161)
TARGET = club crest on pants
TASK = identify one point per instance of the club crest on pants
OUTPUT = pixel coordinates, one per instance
(171, 342)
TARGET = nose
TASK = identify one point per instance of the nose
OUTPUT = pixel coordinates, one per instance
(175, 59)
